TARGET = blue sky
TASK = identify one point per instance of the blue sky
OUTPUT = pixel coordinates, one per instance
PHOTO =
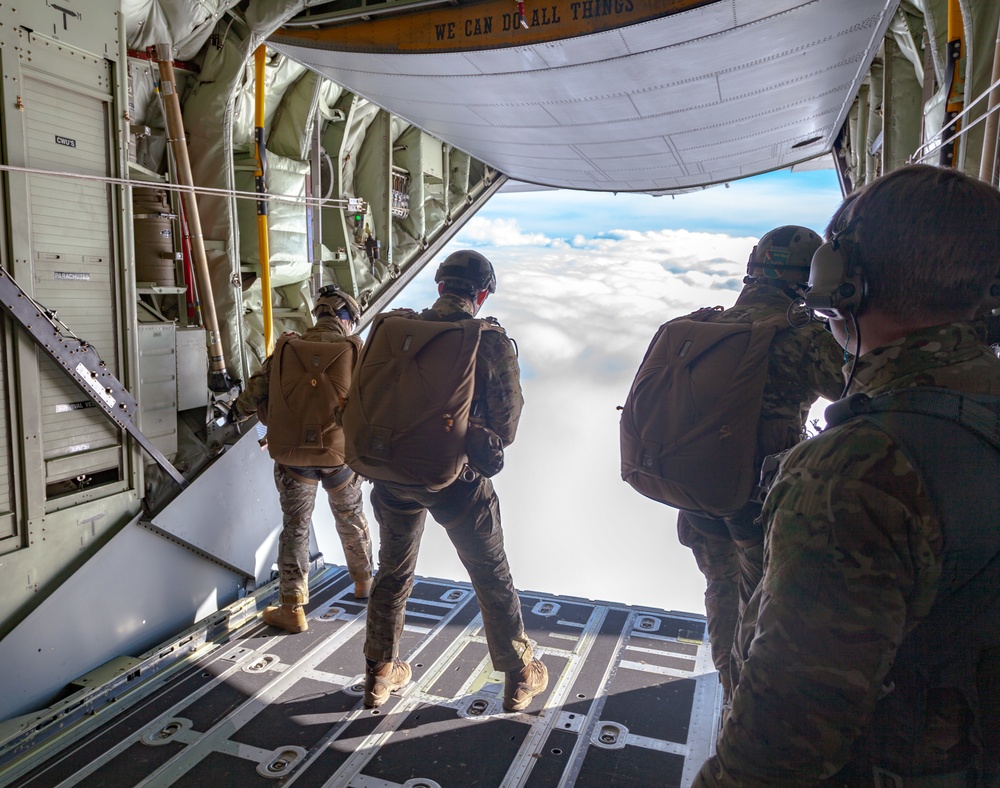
(584, 280)
(745, 208)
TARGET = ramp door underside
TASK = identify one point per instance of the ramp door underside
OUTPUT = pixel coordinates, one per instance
(633, 699)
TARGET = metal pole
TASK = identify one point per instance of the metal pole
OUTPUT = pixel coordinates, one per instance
(956, 93)
(987, 165)
(260, 183)
(218, 379)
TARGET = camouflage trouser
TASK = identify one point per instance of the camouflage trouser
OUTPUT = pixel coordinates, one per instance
(297, 499)
(732, 573)
(470, 513)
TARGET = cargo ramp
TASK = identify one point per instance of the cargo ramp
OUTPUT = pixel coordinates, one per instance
(633, 699)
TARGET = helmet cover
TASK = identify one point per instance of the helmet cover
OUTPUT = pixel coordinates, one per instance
(331, 298)
(468, 268)
(784, 253)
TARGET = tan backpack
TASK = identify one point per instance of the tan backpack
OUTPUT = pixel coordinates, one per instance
(407, 413)
(306, 387)
(689, 423)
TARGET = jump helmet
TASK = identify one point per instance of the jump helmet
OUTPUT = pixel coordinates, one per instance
(784, 253)
(330, 299)
(468, 268)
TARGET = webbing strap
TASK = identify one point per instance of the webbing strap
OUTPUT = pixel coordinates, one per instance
(954, 465)
(977, 413)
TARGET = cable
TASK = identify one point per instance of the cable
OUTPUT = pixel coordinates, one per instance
(241, 195)
(847, 344)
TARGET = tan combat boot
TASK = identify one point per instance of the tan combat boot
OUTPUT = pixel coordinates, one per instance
(291, 618)
(522, 684)
(383, 678)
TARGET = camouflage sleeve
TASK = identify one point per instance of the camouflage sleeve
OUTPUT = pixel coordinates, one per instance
(827, 365)
(255, 392)
(847, 566)
(503, 384)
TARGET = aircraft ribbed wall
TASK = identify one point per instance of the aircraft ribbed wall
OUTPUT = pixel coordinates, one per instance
(72, 258)
(7, 521)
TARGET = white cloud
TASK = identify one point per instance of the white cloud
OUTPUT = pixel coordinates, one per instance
(583, 316)
(500, 232)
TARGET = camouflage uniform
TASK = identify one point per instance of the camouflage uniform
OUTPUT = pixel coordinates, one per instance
(297, 492)
(803, 365)
(469, 511)
(852, 564)
(718, 559)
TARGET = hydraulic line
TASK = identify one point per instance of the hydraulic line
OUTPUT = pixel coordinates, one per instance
(987, 165)
(260, 182)
(954, 52)
(193, 302)
(218, 379)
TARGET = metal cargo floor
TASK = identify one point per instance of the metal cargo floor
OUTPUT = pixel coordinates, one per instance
(633, 700)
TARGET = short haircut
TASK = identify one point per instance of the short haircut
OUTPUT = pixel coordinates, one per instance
(459, 287)
(928, 238)
(838, 222)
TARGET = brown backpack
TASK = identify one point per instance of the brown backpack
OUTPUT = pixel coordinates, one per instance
(689, 423)
(306, 387)
(407, 413)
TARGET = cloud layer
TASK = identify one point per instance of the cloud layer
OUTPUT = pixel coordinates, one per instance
(583, 297)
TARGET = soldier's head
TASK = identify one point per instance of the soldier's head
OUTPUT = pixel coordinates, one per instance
(331, 301)
(468, 274)
(783, 254)
(924, 242)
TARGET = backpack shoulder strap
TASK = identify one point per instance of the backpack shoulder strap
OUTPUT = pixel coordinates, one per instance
(978, 414)
(275, 374)
(492, 324)
(952, 462)
(282, 340)
(703, 314)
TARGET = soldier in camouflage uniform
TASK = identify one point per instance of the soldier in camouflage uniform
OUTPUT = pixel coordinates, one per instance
(337, 314)
(855, 544)
(468, 510)
(804, 364)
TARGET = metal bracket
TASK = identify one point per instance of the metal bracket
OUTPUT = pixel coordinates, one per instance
(82, 364)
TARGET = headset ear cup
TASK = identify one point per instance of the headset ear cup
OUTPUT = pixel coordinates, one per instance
(826, 273)
(991, 300)
(836, 284)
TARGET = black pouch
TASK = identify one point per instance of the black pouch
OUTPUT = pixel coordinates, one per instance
(484, 449)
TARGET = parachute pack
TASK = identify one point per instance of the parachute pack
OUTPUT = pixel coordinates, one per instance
(307, 385)
(689, 423)
(407, 412)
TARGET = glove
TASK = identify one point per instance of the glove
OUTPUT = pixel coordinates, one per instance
(484, 449)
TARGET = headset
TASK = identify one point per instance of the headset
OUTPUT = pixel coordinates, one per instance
(837, 285)
(838, 288)
(991, 301)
